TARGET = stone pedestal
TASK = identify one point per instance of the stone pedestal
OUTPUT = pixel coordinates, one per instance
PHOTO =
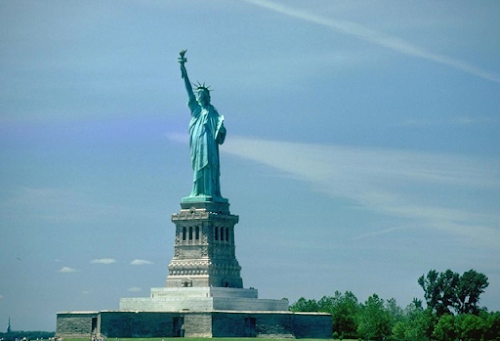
(204, 249)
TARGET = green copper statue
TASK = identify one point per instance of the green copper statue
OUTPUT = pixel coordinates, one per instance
(206, 132)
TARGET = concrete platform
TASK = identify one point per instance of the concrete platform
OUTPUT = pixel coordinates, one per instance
(201, 299)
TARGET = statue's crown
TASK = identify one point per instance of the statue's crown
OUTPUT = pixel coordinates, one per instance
(202, 87)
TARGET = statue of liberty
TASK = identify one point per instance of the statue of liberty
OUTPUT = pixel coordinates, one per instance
(206, 132)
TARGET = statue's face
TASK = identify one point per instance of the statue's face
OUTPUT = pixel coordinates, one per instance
(203, 98)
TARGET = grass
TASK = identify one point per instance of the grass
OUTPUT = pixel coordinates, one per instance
(204, 339)
(199, 339)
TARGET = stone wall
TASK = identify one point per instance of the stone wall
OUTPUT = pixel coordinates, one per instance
(140, 324)
(249, 304)
(271, 325)
(198, 325)
(155, 324)
(75, 324)
(312, 325)
(253, 324)
(228, 325)
(166, 305)
(201, 304)
(121, 324)
(204, 292)
(275, 325)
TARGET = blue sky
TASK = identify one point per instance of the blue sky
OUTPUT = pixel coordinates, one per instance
(362, 150)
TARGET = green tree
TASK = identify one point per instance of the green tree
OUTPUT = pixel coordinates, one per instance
(344, 309)
(447, 291)
(399, 330)
(470, 327)
(491, 325)
(470, 286)
(374, 321)
(440, 290)
(395, 311)
(417, 323)
(30, 335)
(445, 328)
(304, 305)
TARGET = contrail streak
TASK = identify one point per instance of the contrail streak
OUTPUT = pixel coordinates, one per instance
(361, 32)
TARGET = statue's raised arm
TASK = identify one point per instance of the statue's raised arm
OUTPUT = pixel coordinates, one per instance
(189, 88)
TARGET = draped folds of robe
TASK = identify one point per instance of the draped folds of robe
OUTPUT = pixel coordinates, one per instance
(206, 131)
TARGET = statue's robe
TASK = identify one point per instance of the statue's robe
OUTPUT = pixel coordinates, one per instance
(206, 131)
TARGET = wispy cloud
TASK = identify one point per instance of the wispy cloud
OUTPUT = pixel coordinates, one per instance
(140, 262)
(54, 204)
(177, 137)
(85, 292)
(134, 289)
(378, 233)
(103, 261)
(66, 269)
(456, 121)
(1, 297)
(424, 189)
(367, 34)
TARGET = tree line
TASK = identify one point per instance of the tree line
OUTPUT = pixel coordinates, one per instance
(451, 312)
(29, 335)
